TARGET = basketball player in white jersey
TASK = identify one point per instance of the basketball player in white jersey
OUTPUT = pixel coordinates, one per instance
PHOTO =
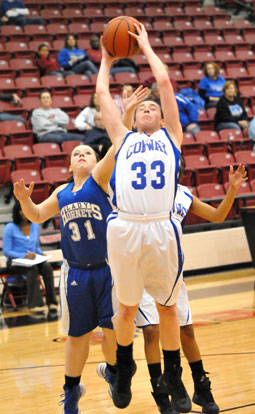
(143, 244)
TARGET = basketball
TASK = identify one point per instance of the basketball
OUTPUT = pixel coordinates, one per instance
(116, 39)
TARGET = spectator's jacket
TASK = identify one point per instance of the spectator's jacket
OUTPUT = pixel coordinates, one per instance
(65, 56)
(45, 121)
(188, 112)
(230, 111)
(16, 244)
(14, 8)
(7, 97)
(47, 65)
(94, 54)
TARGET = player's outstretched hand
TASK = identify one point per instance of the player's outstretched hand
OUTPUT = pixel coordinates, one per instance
(22, 192)
(138, 96)
(142, 36)
(237, 177)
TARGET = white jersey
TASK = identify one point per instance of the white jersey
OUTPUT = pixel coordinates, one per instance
(145, 176)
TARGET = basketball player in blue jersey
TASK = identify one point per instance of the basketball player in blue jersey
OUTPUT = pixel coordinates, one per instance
(143, 242)
(85, 284)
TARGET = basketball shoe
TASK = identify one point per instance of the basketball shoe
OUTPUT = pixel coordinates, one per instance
(71, 399)
(103, 372)
(175, 387)
(203, 396)
(161, 398)
(121, 392)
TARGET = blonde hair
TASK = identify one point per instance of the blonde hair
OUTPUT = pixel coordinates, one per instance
(227, 84)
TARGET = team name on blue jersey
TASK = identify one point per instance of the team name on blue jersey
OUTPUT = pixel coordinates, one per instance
(143, 146)
(79, 210)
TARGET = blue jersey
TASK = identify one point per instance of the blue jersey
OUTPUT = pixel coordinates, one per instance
(83, 224)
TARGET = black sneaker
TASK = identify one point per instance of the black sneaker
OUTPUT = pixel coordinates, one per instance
(161, 398)
(175, 387)
(203, 396)
(121, 393)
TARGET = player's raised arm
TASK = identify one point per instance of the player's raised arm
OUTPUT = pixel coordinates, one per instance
(37, 213)
(218, 215)
(110, 113)
(167, 98)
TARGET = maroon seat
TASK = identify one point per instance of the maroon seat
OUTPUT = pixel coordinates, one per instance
(22, 157)
(55, 175)
(51, 154)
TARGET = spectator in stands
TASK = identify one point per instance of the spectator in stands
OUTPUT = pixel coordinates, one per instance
(85, 120)
(47, 64)
(230, 113)
(49, 124)
(94, 51)
(119, 101)
(188, 113)
(97, 137)
(121, 65)
(15, 100)
(148, 82)
(252, 131)
(21, 240)
(210, 87)
(75, 60)
(14, 12)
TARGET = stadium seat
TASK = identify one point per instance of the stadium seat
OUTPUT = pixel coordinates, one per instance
(216, 146)
(22, 157)
(62, 101)
(222, 160)
(182, 23)
(195, 161)
(94, 12)
(126, 77)
(237, 72)
(188, 138)
(52, 81)
(55, 175)
(16, 46)
(57, 28)
(68, 146)
(202, 22)
(7, 84)
(5, 170)
(213, 38)
(245, 157)
(134, 11)
(22, 64)
(172, 38)
(244, 54)
(34, 44)
(30, 103)
(111, 12)
(243, 190)
(22, 138)
(193, 148)
(193, 74)
(51, 13)
(34, 29)
(51, 154)
(97, 27)
(229, 134)
(206, 136)
(223, 55)
(241, 144)
(73, 13)
(41, 189)
(203, 55)
(78, 27)
(10, 127)
(193, 38)
(252, 185)
(32, 85)
(154, 11)
(210, 191)
(181, 57)
(82, 100)
(211, 112)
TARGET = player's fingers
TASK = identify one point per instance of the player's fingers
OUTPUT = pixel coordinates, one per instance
(231, 169)
(31, 187)
(133, 35)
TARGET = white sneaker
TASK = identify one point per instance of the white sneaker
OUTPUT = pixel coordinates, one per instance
(36, 309)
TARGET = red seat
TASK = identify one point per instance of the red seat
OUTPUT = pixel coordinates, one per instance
(252, 185)
(78, 27)
(22, 157)
(247, 91)
(52, 81)
(193, 38)
(10, 127)
(82, 100)
(34, 29)
(232, 36)
(26, 82)
(51, 154)
(193, 148)
(22, 138)
(202, 22)
(221, 158)
(62, 101)
(134, 11)
(126, 77)
(7, 84)
(97, 27)
(182, 23)
(113, 11)
(22, 64)
(229, 134)
(248, 35)
(5, 170)
(83, 43)
(245, 157)
(237, 72)
(213, 38)
(154, 11)
(162, 25)
(245, 190)
(172, 39)
(182, 57)
(11, 30)
(195, 161)
(16, 46)
(216, 146)
(208, 174)
(188, 138)
(41, 189)
(191, 10)
(210, 190)
(241, 144)
(51, 13)
(73, 13)
(55, 175)
(174, 10)
(29, 103)
(223, 55)
(193, 74)
(93, 12)
(57, 28)
(245, 54)
(211, 112)
(80, 82)
(206, 136)
(203, 56)
(68, 146)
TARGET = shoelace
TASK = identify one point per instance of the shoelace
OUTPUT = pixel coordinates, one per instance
(63, 400)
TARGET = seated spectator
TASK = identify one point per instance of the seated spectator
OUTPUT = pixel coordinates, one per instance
(14, 12)
(49, 124)
(75, 60)
(94, 51)
(121, 65)
(47, 64)
(85, 120)
(252, 131)
(188, 113)
(119, 101)
(210, 87)
(21, 240)
(230, 113)
(148, 82)
(97, 136)
(15, 100)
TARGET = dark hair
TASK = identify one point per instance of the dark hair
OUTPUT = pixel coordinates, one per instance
(216, 68)
(70, 178)
(91, 102)
(41, 46)
(67, 38)
(45, 91)
(182, 168)
(16, 218)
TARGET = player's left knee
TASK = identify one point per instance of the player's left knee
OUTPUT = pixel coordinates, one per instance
(151, 333)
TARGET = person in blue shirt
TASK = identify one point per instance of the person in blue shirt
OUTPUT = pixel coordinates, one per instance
(252, 131)
(188, 113)
(75, 60)
(14, 12)
(210, 87)
(21, 240)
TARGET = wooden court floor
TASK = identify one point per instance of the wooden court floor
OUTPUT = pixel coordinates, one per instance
(223, 308)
